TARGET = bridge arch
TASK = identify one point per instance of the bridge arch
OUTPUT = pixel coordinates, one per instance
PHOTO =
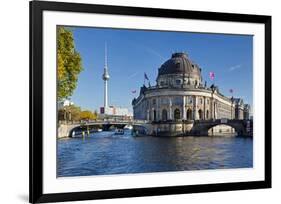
(210, 127)
(223, 129)
(72, 130)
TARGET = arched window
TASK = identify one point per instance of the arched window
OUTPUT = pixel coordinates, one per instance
(207, 114)
(164, 115)
(177, 114)
(189, 114)
(200, 113)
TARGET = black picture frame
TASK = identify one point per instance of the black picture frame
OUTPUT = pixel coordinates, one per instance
(36, 104)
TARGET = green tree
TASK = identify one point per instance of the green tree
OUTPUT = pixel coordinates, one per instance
(69, 63)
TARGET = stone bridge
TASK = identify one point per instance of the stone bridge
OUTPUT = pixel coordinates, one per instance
(202, 127)
(170, 128)
(191, 127)
(66, 129)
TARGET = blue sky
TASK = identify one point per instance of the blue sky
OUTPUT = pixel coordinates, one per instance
(133, 52)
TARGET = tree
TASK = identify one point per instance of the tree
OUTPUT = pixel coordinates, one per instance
(70, 112)
(95, 114)
(87, 115)
(69, 63)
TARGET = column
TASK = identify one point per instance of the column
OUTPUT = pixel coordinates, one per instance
(170, 109)
(204, 108)
(232, 111)
(147, 115)
(195, 111)
(215, 110)
(157, 109)
(211, 108)
(183, 108)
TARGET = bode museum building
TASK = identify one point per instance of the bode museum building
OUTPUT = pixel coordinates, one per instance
(180, 97)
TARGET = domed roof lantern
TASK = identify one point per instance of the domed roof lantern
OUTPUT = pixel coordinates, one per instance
(179, 54)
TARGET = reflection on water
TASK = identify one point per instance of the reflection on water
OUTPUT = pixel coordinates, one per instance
(104, 153)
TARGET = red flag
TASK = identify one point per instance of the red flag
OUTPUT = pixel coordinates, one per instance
(212, 75)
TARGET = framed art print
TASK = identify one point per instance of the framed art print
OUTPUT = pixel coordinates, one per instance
(128, 101)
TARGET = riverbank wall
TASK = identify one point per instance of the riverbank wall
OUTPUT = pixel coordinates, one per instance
(193, 128)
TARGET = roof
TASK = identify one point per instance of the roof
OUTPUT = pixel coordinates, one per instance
(179, 63)
(238, 101)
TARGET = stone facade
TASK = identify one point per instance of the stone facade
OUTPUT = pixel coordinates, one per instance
(181, 95)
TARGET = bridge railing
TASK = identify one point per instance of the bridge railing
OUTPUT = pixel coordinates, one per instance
(139, 121)
(222, 120)
(102, 121)
(67, 122)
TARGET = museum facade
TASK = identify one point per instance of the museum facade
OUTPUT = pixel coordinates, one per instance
(180, 94)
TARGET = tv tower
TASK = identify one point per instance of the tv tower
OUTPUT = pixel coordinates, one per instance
(105, 78)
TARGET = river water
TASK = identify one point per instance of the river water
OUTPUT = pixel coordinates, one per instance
(105, 153)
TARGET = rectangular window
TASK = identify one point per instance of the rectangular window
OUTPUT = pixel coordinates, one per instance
(177, 101)
(190, 100)
(178, 81)
(165, 101)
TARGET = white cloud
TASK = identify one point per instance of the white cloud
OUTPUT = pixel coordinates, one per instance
(133, 75)
(153, 52)
(232, 68)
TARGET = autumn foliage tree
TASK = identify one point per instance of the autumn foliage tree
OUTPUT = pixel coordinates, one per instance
(74, 113)
(70, 112)
(87, 115)
(69, 63)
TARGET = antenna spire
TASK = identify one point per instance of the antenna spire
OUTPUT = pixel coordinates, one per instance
(105, 55)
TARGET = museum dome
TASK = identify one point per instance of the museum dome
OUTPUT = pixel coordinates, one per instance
(179, 63)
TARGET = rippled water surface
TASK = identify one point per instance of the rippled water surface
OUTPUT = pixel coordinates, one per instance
(105, 153)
